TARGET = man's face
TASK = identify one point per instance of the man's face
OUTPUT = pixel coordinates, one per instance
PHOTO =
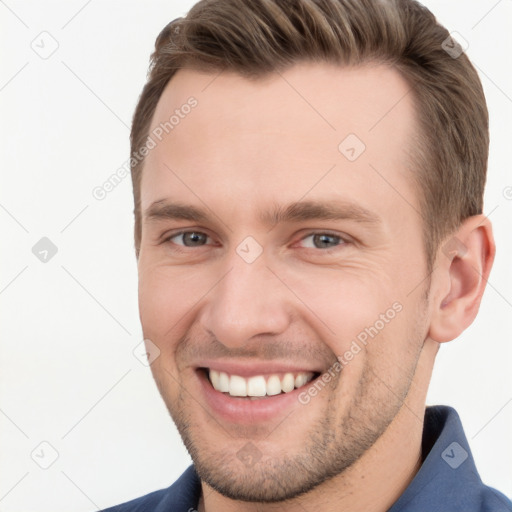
(269, 305)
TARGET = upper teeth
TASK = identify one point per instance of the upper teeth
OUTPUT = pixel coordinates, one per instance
(258, 385)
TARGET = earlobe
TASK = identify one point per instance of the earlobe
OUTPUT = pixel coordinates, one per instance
(464, 262)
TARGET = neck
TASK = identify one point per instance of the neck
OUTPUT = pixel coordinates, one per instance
(376, 480)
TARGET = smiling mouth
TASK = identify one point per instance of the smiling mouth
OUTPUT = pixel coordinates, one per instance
(258, 386)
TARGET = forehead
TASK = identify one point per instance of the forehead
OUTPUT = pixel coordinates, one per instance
(311, 130)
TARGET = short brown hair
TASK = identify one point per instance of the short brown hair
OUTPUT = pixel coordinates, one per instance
(257, 37)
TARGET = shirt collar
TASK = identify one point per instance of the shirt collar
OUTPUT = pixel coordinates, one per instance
(447, 480)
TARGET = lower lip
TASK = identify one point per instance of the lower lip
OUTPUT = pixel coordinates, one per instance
(244, 410)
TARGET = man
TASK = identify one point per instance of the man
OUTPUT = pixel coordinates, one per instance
(308, 180)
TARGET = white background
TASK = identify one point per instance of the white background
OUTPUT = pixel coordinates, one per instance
(68, 375)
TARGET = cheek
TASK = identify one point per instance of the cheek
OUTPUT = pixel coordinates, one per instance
(162, 301)
(165, 298)
(363, 320)
(168, 296)
(347, 302)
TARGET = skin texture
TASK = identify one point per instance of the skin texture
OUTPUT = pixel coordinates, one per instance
(246, 147)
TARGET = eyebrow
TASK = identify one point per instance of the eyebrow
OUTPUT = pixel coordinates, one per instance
(319, 210)
(298, 211)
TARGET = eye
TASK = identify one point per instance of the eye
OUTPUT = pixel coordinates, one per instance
(323, 240)
(188, 238)
(317, 240)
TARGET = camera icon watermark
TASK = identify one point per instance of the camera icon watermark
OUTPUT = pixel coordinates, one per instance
(454, 455)
(146, 352)
(44, 455)
(454, 45)
(454, 247)
(44, 250)
(351, 147)
(249, 249)
(249, 455)
(45, 45)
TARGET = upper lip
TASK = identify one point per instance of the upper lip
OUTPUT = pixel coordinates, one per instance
(252, 368)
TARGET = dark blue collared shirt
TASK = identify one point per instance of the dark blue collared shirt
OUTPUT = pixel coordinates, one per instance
(446, 482)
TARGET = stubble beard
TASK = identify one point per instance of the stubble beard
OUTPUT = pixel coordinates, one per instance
(332, 445)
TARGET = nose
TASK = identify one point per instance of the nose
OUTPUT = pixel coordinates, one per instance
(250, 300)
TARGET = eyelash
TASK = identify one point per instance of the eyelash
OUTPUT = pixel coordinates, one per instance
(342, 240)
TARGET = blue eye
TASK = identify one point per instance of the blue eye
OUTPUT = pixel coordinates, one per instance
(322, 240)
(189, 238)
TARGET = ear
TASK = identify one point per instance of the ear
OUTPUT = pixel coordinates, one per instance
(463, 264)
